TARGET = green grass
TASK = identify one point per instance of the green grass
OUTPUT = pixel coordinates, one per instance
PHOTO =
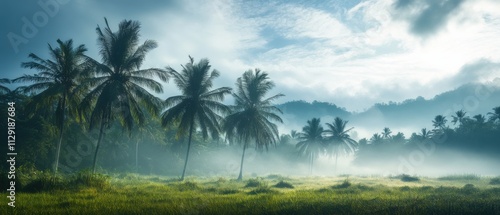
(135, 194)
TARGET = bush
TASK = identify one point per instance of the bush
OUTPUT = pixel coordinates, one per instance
(495, 181)
(227, 191)
(43, 181)
(254, 182)
(261, 189)
(469, 189)
(408, 178)
(188, 185)
(283, 184)
(344, 184)
(86, 178)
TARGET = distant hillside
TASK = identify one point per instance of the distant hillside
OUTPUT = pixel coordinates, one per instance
(296, 113)
(408, 116)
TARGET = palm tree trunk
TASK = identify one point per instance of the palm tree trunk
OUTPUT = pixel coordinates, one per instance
(137, 156)
(311, 164)
(191, 128)
(240, 177)
(98, 144)
(336, 161)
(61, 129)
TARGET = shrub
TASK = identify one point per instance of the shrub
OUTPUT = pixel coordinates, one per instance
(227, 191)
(408, 178)
(344, 184)
(283, 184)
(43, 181)
(495, 181)
(261, 189)
(469, 189)
(254, 182)
(86, 178)
(188, 185)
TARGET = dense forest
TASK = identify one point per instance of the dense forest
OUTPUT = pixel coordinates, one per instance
(79, 113)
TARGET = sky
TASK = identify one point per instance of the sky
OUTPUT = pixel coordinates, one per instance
(352, 53)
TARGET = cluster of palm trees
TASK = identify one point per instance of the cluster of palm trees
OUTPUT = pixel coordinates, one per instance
(459, 119)
(315, 141)
(97, 93)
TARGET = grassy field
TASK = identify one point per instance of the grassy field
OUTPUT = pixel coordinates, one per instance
(273, 194)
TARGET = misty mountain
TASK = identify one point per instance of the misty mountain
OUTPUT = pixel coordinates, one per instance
(407, 116)
(296, 113)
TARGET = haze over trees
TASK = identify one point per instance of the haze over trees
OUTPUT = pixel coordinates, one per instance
(72, 95)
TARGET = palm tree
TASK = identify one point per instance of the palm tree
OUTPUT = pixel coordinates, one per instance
(311, 141)
(425, 134)
(459, 117)
(376, 139)
(398, 138)
(198, 106)
(56, 83)
(439, 122)
(4, 89)
(251, 116)
(386, 133)
(495, 115)
(339, 141)
(294, 134)
(118, 88)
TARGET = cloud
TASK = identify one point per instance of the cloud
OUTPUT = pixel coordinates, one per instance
(479, 71)
(429, 16)
(352, 53)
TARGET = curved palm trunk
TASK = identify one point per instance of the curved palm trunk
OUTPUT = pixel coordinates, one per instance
(336, 161)
(60, 135)
(311, 162)
(240, 177)
(137, 156)
(191, 129)
(97, 146)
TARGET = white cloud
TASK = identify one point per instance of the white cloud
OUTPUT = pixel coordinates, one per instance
(349, 56)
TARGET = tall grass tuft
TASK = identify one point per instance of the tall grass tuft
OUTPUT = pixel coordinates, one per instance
(254, 182)
(283, 184)
(408, 178)
(86, 178)
(345, 184)
(43, 181)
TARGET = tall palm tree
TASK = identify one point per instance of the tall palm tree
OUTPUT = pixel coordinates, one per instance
(386, 133)
(339, 141)
(251, 117)
(56, 83)
(118, 88)
(4, 89)
(495, 115)
(398, 138)
(199, 106)
(376, 139)
(459, 117)
(311, 141)
(439, 122)
(425, 134)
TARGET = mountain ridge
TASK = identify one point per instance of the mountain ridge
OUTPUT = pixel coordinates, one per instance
(407, 116)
